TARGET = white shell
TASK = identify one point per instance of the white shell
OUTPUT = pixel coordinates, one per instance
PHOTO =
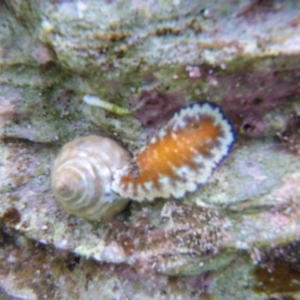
(82, 174)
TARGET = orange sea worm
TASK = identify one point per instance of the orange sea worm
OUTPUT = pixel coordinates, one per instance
(180, 157)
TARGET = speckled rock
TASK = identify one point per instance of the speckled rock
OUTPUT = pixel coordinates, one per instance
(231, 238)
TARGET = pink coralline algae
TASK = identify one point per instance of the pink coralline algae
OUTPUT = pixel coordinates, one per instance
(7, 112)
(254, 95)
(152, 108)
(42, 55)
(182, 155)
(198, 229)
(184, 231)
(290, 137)
(193, 71)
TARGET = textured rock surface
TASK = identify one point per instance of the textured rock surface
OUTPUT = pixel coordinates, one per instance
(229, 240)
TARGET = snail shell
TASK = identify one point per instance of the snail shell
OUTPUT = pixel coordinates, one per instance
(82, 174)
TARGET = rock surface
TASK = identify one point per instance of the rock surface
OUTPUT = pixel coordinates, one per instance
(231, 239)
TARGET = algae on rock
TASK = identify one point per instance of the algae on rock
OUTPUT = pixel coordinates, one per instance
(151, 56)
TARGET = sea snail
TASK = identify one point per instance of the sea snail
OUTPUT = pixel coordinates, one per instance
(94, 176)
(82, 176)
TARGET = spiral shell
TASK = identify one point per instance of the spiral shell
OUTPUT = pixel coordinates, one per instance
(82, 175)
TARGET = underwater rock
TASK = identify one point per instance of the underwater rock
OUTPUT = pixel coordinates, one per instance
(242, 56)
